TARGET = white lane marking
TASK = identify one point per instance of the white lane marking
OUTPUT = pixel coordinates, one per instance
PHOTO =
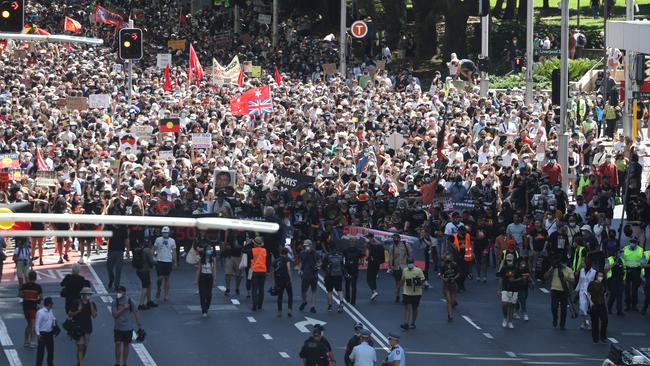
(251, 319)
(284, 354)
(613, 340)
(378, 336)
(234, 301)
(548, 363)
(12, 356)
(140, 350)
(222, 288)
(488, 336)
(467, 319)
(634, 334)
(431, 353)
(267, 337)
(511, 354)
(552, 355)
(544, 290)
(491, 358)
(5, 339)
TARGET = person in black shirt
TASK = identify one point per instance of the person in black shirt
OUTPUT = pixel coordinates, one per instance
(509, 283)
(314, 351)
(376, 257)
(282, 273)
(353, 342)
(31, 293)
(72, 285)
(352, 255)
(81, 313)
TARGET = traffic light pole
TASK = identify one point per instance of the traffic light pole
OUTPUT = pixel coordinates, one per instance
(274, 24)
(529, 53)
(343, 40)
(130, 69)
(563, 136)
(485, 30)
(629, 65)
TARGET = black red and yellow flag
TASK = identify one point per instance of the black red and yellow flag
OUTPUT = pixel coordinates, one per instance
(18, 207)
(170, 125)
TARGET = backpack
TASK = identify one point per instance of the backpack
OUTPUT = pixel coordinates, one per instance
(582, 40)
(335, 265)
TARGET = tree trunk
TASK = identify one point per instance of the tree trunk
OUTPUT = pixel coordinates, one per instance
(522, 11)
(426, 37)
(498, 7)
(511, 6)
(455, 28)
(393, 17)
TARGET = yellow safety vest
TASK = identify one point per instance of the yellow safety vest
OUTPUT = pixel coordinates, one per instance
(632, 258)
(577, 259)
(611, 261)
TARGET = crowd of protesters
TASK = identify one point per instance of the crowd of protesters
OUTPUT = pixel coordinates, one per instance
(495, 155)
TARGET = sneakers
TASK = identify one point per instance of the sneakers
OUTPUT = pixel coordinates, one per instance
(515, 316)
(302, 306)
(404, 326)
(227, 292)
(329, 307)
(143, 307)
(510, 325)
(67, 259)
(504, 323)
(312, 310)
(525, 317)
(340, 310)
(289, 314)
(374, 295)
(204, 315)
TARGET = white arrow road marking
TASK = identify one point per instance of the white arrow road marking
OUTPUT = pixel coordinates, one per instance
(302, 325)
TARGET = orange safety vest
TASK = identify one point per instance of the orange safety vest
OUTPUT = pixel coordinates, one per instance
(469, 252)
(258, 262)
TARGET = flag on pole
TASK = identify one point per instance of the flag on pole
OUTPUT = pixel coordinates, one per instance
(71, 25)
(238, 106)
(105, 16)
(17, 207)
(168, 80)
(42, 32)
(195, 70)
(278, 77)
(40, 163)
(240, 79)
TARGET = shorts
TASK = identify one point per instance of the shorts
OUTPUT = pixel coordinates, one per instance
(22, 268)
(84, 339)
(163, 269)
(333, 283)
(307, 283)
(450, 287)
(122, 336)
(30, 314)
(231, 266)
(509, 297)
(145, 279)
(411, 300)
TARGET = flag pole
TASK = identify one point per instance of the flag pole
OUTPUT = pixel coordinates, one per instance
(130, 68)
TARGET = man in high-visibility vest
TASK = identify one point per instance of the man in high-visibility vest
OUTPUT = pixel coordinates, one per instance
(645, 263)
(578, 256)
(463, 246)
(632, 255)
(615, 269)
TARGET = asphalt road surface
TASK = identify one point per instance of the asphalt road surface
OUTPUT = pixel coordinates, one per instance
(235, 335)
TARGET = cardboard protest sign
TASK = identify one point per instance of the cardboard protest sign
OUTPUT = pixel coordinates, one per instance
(176, 44)
(142, 132)
(264, 18)
(256, 71)
(329, 69)
(99, 100)
(163, 60)
(166, 155)
(77, 103)
(201, 140)
(46, 178)
(9, 161)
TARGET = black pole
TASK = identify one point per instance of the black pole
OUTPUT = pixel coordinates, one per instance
(625, 197)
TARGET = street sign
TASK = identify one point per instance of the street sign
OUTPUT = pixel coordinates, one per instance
(359, 29)
(641, 95)
(547, 53)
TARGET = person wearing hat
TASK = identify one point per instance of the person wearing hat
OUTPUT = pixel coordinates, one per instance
(314, 351)
(164, 251)
(396, 356)
(82, 314)
(258, 272)
(634, 258)
(355, 341)
(124, 313)
(363, 354)
(376, 257)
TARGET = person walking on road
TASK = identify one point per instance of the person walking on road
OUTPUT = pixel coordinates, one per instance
(72, 285)
(562, 280)
(333, 265)
(314, 351)
(396, 356)
(117, 245)
(23, 259)
(412, 282)
(206, 277)
(124, 312)
(143, 262)
(44, 329)
(375, 254)
(615, 269)
(31, 293)
(449, 275)
(632, 256)
(586, 276)
(597, 309)
(352, 255)
(309, 263)
(398, 254)
(509, 282)
(164, 249)
(231, 254)
(82, 313)
(282, 273)
(364, 354)
(258, 266)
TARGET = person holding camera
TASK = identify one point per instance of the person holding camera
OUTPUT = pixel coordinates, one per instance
(82, 314)
(562, 279)
(412, 281)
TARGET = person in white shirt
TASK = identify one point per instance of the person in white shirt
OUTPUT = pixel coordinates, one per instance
(171, 190)
(363, 354)
(44, 329)
(165, 255)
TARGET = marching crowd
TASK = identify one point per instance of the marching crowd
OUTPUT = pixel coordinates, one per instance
(475, 179)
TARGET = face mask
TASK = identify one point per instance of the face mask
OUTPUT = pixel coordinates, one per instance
(633, 246)
(85, 297)
(410, 266)
(572, 224)
(120, 295)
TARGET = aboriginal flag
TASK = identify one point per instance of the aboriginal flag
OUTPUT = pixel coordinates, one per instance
(170, 125)
(17, 207)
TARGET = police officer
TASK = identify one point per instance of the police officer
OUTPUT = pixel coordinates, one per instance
(353, 342)
(632, 255)
(615, 269)
(363, 354)
(314, 352)
(396, 356)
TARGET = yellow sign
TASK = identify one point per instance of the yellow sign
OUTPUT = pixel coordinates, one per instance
(256, 71)
(635, 106)
(176, 44)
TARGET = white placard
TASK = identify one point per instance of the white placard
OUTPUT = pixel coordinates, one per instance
(142, 132)
(99, 101)
(166, 155)
(201, 140)
(163, 60)
(264, 18)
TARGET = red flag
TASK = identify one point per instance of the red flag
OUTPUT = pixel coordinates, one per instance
(168, 80)
(42, 32)
(40, 163)
(240, 79)
(263, 92)
(107, 17)
(238, 106)
(71, 25)
(278, 77)
(195, 69)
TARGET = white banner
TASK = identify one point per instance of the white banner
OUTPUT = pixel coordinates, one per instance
(163, 60)
(99, 100)
(201, 140)
(226, 75)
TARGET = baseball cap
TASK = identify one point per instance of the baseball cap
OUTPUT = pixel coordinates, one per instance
(365, 333)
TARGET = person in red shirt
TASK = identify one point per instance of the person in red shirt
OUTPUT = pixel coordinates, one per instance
(590, 191)
(609, 169)
(553, 171)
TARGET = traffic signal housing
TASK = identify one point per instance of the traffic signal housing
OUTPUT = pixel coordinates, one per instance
(641, 68)
(12, 16)
(130, 44)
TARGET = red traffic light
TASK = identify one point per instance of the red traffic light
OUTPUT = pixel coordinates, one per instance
(15, 5)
